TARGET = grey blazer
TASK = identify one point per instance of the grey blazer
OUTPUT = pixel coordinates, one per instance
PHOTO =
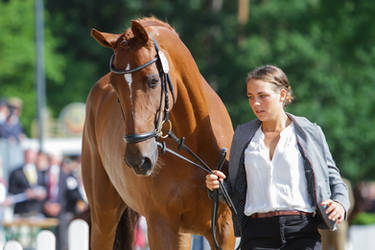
(323, 177)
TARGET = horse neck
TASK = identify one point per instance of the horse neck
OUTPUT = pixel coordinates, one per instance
(190, 114)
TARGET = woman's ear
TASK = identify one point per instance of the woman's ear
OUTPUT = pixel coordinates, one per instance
(283, 94)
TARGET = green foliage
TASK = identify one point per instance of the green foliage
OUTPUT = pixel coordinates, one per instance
(326, 48)
(17, 56)
(364, 219)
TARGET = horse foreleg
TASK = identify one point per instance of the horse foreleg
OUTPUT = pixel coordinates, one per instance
(162, 236)
(106, 211)
(104, 225)
(225, 242)
(224, 231)
(106, 206)
(125, 230)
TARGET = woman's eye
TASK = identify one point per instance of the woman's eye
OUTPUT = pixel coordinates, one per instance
(251, 97)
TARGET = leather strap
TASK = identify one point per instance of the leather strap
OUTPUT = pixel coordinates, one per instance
(278, 213)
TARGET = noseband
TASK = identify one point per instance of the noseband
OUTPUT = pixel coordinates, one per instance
(166, 87)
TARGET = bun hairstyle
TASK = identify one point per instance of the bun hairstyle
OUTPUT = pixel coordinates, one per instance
(274, 75)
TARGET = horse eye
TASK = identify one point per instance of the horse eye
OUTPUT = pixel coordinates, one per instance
(153, 82)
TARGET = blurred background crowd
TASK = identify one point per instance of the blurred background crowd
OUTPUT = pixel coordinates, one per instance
(10, 124)
(39, 184)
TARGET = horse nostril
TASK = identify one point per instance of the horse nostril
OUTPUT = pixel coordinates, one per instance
(128, 162)
(141, 165)
(146, 164)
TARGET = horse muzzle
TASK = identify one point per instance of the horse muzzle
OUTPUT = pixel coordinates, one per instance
(142, 157)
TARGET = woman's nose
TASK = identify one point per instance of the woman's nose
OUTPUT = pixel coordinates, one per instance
(256, 102)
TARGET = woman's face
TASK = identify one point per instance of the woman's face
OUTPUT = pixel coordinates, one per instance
(265, 99)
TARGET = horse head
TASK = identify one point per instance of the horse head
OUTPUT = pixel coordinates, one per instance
(141, 81)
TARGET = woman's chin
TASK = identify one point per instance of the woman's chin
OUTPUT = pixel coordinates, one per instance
(261, 116)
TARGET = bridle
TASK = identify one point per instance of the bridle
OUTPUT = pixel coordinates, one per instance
(166, 87)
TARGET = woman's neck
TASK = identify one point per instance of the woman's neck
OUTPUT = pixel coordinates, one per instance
(277, 124)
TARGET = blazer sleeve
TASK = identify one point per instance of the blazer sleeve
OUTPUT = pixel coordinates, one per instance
(339, 190)
(15, 179)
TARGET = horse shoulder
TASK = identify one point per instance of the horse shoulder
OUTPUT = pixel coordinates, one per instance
(94, 105)
(97, 92)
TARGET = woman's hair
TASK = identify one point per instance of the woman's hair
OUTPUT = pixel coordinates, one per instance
(274, 75)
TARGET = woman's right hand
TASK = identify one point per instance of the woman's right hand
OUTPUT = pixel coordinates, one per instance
(213, 180)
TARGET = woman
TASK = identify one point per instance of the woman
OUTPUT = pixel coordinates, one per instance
(282, 178)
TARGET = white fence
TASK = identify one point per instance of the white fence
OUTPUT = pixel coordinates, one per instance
(78, 238)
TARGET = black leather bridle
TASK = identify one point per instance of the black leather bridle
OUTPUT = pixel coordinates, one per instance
(166, 87)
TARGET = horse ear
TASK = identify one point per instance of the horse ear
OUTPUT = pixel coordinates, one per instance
(139, 31)
(105, 39)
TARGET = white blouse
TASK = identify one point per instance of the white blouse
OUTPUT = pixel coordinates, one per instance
(277, 184)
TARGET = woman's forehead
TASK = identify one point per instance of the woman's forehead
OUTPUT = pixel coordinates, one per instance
(255, 86)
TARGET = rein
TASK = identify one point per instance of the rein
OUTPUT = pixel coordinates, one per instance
(202, 165)
(166, 87)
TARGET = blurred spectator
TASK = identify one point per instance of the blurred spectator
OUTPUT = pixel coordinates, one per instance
(63, 196)
(3, 184)
(42, 164)
(52, 206)
(4, 111)
(63, 188)
(79, 202)
(28, 181)
(15, 104)
(364, 194)
(11, 128)
(82, 207)
(3, 191)
(371, 197)
(140, 234)
(337, 240)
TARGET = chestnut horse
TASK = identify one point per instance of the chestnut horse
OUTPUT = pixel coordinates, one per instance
(132, 101)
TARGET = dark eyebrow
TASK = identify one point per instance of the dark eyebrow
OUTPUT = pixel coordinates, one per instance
(259, 93)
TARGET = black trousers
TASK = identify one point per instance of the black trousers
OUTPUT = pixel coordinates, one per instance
(289, 232)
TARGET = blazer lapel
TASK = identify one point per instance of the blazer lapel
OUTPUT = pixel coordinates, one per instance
(245, 136)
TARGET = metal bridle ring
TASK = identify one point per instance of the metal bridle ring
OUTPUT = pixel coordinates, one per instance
(160, 134)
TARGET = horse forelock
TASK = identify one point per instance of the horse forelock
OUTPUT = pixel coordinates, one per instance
(127, 37)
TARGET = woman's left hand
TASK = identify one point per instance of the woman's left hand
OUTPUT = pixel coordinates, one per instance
(335, 210)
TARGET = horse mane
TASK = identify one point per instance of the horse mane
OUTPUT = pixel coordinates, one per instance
(153, 21)
(145, 22)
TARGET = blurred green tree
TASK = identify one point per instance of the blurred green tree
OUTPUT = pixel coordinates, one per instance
(17, 56)
(321, 45)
